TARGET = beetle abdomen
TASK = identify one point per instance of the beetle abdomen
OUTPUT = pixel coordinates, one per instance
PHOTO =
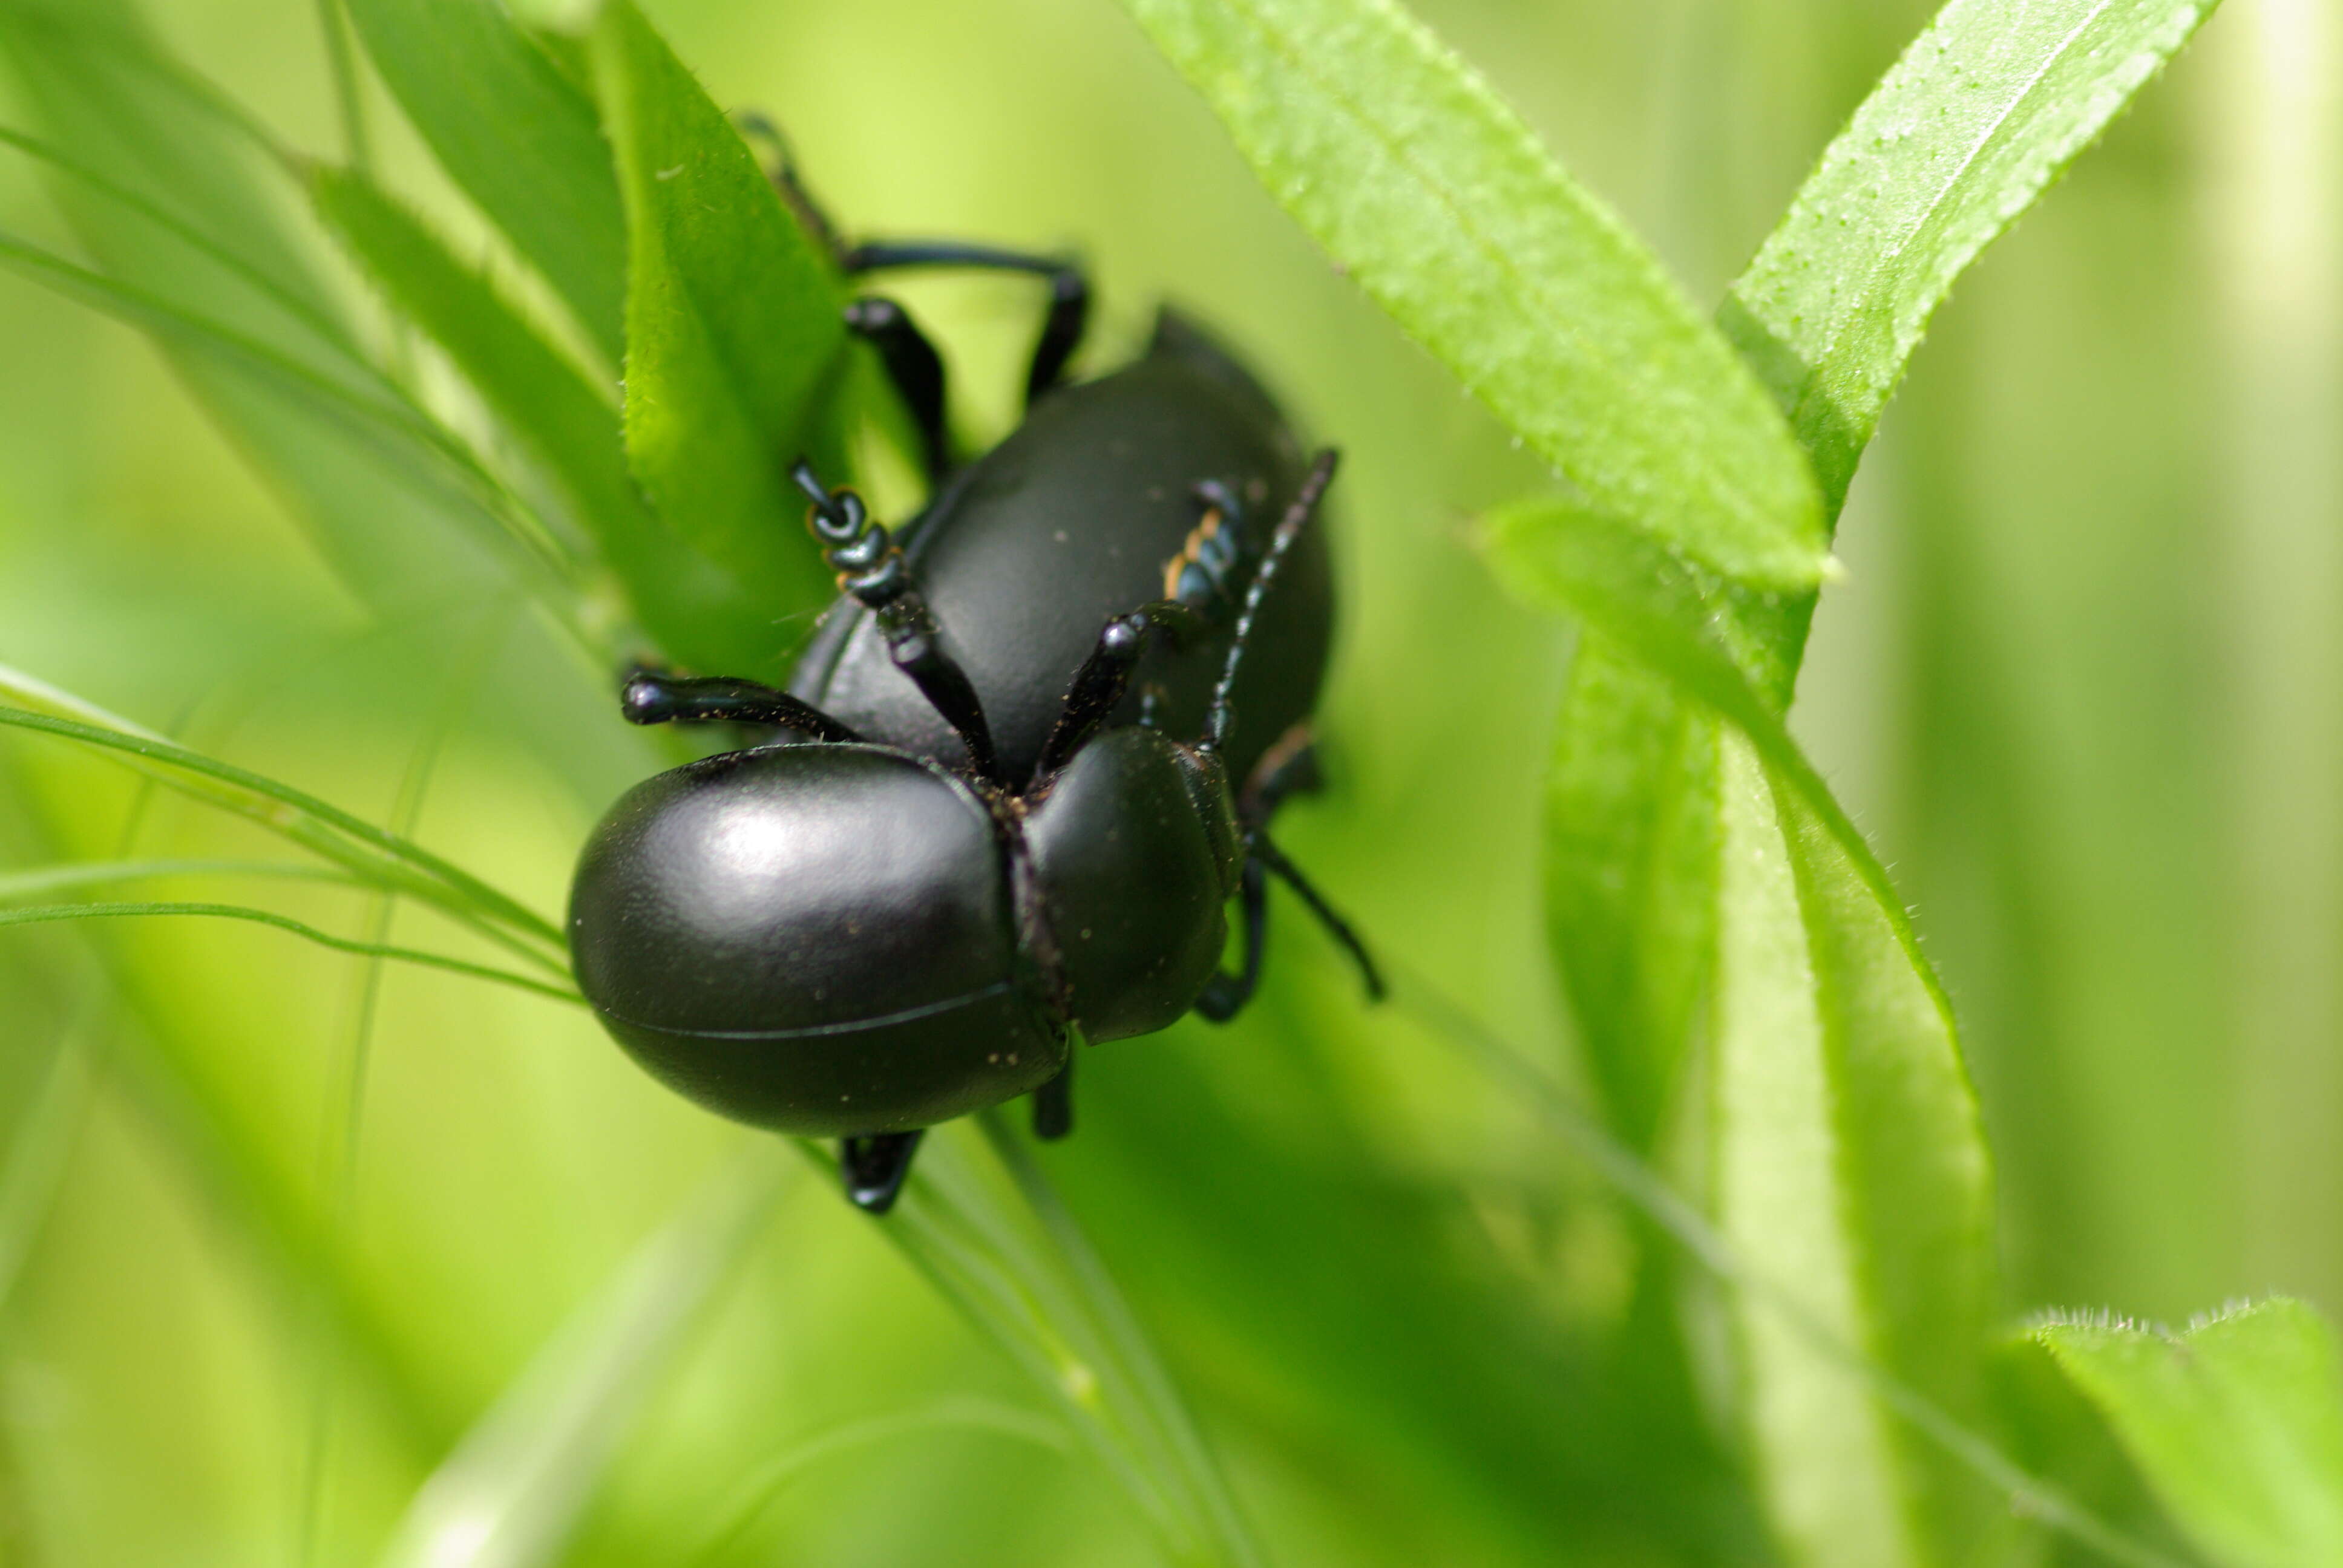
(813, 938)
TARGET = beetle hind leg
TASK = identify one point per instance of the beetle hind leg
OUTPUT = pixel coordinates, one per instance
(874, 1165)
(915, 369)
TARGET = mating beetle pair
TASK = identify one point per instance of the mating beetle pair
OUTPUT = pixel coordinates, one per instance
(1029, 755)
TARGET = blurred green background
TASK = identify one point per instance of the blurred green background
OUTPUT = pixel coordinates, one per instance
(2083, 683)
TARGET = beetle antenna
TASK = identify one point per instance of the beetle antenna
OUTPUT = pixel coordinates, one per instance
(870, 568)
(1221, 714)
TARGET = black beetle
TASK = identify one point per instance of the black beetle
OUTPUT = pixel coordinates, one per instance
(956, 860)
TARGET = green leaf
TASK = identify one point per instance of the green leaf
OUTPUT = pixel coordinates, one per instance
(2236, 1423)
(1850, 1167)
(520, 137)
(1428, 189)
(1984, 110)
(734, 336)
(696, 612)
(1847, 1161)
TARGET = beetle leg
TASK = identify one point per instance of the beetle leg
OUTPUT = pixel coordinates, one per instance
(874, 1165)
(1053, 1105)
(1259, 847)
(1225, 995)
(1221, 714)
(1069, 292)
(1100, 683)
(872, 570)
(913, 365)
(650, 698)
(1288, 768)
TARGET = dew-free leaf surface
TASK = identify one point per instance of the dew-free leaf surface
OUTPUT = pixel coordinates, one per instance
(2236, 1423)
(1430, 192)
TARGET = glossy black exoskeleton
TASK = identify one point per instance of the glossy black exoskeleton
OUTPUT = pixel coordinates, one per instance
(1025, 764)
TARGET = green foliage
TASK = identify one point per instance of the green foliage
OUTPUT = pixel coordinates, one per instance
(1770, 1338)
(2238, 1423)
(1430, 192)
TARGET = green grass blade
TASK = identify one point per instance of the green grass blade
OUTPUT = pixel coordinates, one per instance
(979, 1223)
(381, 857)
(1987, 107)
(1428, 189)
(517, 1487)
(517, 135)
(38, 882)
(42, 914)
(696, 612)
(2236, 1423)
(734, 1517)
(734, 338)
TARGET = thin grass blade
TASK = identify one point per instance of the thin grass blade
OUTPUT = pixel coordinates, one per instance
(381, 858)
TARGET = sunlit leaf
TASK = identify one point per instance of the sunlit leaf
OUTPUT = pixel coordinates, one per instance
(2236, 1423)
(1428, 189)
(1848, 1164)
(1987, 107)
(734, 336)
(521, 138)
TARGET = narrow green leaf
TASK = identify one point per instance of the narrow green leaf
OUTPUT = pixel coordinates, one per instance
(2236, 1423)
(381, 859)
(522, 139)
(734, 334)
(1428, 189)
(696, 612)
(1984, 110)
(1849, 1165)
(1632, 794)
(515, 1490)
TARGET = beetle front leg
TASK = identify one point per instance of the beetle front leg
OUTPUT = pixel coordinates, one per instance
(1224, 995)
(1098, 686)
(650, 698)
(874, 1165)
(872, 568)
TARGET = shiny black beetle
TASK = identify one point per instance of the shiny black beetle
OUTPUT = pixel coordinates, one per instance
(987, 827)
